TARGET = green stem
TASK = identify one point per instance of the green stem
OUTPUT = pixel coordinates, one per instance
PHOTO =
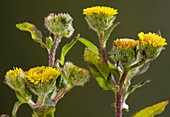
(40, 101)
(15, 108)
(44, 112)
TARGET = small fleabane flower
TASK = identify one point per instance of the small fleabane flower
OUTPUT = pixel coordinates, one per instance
(152, 39)
(42, 80)
(41, 74)
(100, 10)
(151, 45)
(124, 51)
(126, 43)
(15, 79)
(17, 72)
(59, 24)
(100, 18)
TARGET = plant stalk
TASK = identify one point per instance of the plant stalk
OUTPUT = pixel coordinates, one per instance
(102, 47)
(52, 52)
(119, 103)
(119, 96)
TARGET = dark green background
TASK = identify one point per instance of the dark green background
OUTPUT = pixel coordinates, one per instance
(17, 49)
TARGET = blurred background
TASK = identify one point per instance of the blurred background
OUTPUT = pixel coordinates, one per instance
(18, 50)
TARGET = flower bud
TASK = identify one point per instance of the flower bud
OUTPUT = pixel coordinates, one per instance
(15, 79)
(59, 24)
(100, 18)
(77, 76)
(151, 44)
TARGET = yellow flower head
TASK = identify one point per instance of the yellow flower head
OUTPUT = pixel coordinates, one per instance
(13, 74)
(126, 43)
(100, 10)
(41, 74)
(152, 39)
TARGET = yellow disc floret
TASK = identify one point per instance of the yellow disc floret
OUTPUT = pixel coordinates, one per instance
(126, 43)
(17, 72)
(100, 10)
(152, 39)
(42, 74)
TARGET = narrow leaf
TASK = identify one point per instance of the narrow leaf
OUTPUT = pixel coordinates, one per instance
(108, 32)
(152, 110)
(35, 33)
(139, 85)
(65, 50)
(114, 69)
(89, 44)
(49, 42)
(144, 68)
(96, 61)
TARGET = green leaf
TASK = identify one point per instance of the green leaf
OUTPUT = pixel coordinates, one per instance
(49, 42)
(35, 33)
(96, 62)
(66, 48)
(152, 110)
(105, 84)
(60, 83)
(108, 32)
(139, 85)
(89, 44)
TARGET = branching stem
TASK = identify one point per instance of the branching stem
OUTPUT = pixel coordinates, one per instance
(119, 96)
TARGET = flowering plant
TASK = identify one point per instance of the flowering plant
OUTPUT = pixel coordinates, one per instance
(113, 70)
(48, 83)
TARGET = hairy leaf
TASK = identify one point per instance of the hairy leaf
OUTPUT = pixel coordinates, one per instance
(49, 42)
(152, 110)
(105, 84)
(96, 62)
(35, 33)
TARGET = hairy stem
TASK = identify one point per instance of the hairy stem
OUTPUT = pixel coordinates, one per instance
(60, 94)
(119, 96)
(15, 108)
(102, 47)
(52, 52)
(119, 103)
